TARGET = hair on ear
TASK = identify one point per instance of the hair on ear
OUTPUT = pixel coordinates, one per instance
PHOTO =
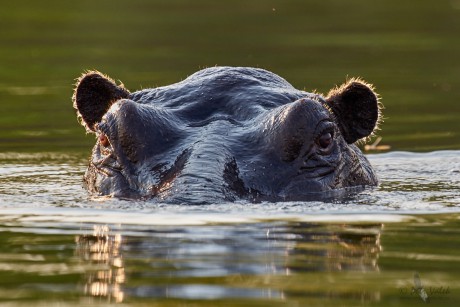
(357, 109)
(93, 95)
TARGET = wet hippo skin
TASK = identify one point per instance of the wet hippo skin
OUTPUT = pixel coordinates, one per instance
(224, 134)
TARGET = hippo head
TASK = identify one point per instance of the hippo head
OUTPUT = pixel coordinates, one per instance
(226, 133)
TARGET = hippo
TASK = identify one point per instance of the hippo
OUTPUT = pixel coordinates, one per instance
(226, 134)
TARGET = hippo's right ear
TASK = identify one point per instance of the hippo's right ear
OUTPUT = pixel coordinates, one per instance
(94, 94)
(357, 109)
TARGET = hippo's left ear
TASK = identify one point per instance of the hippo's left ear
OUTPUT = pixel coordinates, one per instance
(356, 108)
(93, 96)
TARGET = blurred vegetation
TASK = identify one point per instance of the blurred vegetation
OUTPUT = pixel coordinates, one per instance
(410, 51)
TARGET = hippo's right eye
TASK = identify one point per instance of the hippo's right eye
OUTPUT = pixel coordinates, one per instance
(325, 140)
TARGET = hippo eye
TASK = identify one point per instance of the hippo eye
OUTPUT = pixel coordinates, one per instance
(103, 140)
(324, 140)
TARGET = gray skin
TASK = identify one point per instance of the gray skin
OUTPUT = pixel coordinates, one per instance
(224, 134)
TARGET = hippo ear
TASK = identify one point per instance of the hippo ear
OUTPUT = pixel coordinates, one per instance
(93, 96)
(356, 108)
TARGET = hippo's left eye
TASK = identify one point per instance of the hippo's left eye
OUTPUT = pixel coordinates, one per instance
(325, 140)
(103, 140)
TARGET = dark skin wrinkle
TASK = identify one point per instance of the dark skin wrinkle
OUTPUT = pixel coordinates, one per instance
(223, 134)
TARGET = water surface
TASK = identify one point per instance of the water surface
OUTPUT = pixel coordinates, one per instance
(61, 246)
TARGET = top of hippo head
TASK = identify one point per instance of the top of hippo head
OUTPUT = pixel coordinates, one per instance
(226, 133)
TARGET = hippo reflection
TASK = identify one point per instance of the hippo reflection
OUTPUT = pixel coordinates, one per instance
(192, 262)
(226, 133)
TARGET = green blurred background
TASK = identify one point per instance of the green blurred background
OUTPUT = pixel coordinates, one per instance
(410, 50)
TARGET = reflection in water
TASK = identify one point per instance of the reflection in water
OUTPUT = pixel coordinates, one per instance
(337, 247)
(107, 273)
(217, 261)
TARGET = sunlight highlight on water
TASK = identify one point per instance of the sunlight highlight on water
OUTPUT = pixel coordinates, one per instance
(410, 183)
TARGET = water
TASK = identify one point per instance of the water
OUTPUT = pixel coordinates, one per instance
(409, 183)
(58, 246)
